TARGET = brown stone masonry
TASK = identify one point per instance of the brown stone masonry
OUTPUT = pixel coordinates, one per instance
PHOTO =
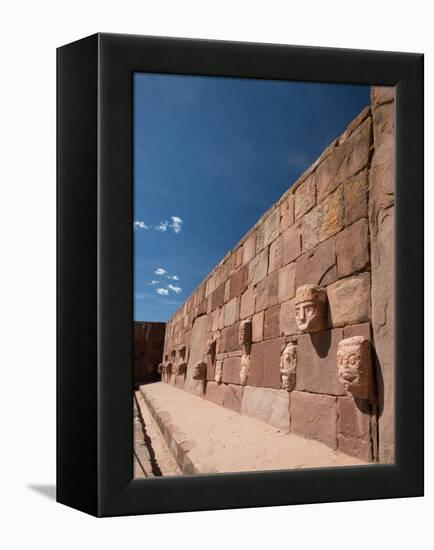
(316, 272)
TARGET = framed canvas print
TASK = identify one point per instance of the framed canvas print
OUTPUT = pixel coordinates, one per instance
(240, 275)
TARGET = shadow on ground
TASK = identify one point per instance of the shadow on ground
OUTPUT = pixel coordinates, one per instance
(48, 491)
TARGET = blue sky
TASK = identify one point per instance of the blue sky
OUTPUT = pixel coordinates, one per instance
(211, 155)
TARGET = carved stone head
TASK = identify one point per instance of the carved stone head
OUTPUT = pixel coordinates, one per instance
(288, 366)
(210, 347)
(310, 308)
(199, 370)
(245, 333)
(245, 368)
(355, 366)
(218, 376)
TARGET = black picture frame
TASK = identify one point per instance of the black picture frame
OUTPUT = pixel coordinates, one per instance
(95, 274)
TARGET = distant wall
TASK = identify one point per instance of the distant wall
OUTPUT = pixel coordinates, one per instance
(148, 350)
(334, 228)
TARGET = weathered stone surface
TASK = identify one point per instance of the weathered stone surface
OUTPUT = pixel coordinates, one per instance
(271, 358)
(318, 266)
(256, 373)
(331, 215)
(291, 245)
(260, 238)
(314, 416)
(258, 327)
(354, 360)
(271, 227)
(310, 308)
(288, 366)
(384, 124)
(229, 339)
(231, 370)
(210, 286)
(275, 255)
(218, 297)
(249, 248)
(347, 159)
(231, 312)
(356, 198)
(349, 300)
(305, 197)
(309, 229)
(247, 307)
(286, 282)
(214, 316)
(317, 370)
(227, 289)
(266, 404)
(197, 351)
(288, 325)
(215, 392)
(382, 94)
(238, 282)
(258, 267)
(361, 329)
(352, 248)
(354, 427)
(267, 292)
(232, 397)
(271, 322)
(287, 212)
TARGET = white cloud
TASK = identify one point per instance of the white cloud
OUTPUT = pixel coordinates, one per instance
(138, 224)
(162, 291)
(162, 226)
(175, 289)
(176, 224)
(173, 277)
(160, 271)
(153, 282)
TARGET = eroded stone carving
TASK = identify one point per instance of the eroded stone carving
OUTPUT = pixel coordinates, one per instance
(245, 333)
(218, 375)
(310, 308)
(199, 371)
(210, 347)
(355, 366)
(288, 366)
(244, 370)
(181, 365)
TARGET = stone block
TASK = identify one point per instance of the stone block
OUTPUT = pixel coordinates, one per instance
(210, 286)
(309, 229)
(232, 397)
(271, 358)
(331, 215)
(361, 329)
(227, 290)
(317, 370)
(352, 248)
(271, 227)
(384, 124)
(267, 292)
(272, 322)
(350, 157)
(218, 297)
(288, 325)
(382, 94)
(249, 248)
(256, 369)
(214, 316)
(291, 244)
(215, 392)
(356, 198)
(231, 370)
(231, 312)
(349, 300)
(258, 267)
(360, 448)
(287, 212)
(239, 257)
(266, 404)
(247, 307)
(258, 327)
(318, 266)
(275, 255)
(260, 238)
(354, 427)
(286, 282)
(305, 197)
(314, 416)
(238, 282)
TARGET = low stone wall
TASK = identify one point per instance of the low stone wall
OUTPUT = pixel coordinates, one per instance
(276, 327)
(148, 350)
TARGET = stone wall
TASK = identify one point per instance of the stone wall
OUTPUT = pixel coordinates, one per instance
(333, 229)
(148, 350)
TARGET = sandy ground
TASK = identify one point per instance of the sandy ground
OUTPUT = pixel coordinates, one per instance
(226, 441)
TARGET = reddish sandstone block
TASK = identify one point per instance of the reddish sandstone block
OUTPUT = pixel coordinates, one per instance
(318, 266)
(317, 370)
(247, 307)
(267, 404)
(275, 255)
(272, 322)
(349, 300)
(256, 368)
(258, 267)
(260, 238)
(267, 292)
(384, 124)
(382, 94)
(361, 329)
(287, 323)
(287, 212)
(215, 392)
(258, 327)
(218, 297)
(286, 282)
(305, 197)
(229, 339)
(352, 249)
(314, 416)
(356, 198)
(249, 248)
(354, 427)
(239, 257)
(233, 397)
(231, 370)
(331, 215)
(238, 282)
(271, 357)
(231, 312)
(291, 245)
(271, 227)
(309, 228)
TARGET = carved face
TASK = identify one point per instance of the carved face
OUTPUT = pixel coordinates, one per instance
(354, 365)
(244, 371)
(218, 376)
(245, 333)
(288, 366)
(310, 308)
